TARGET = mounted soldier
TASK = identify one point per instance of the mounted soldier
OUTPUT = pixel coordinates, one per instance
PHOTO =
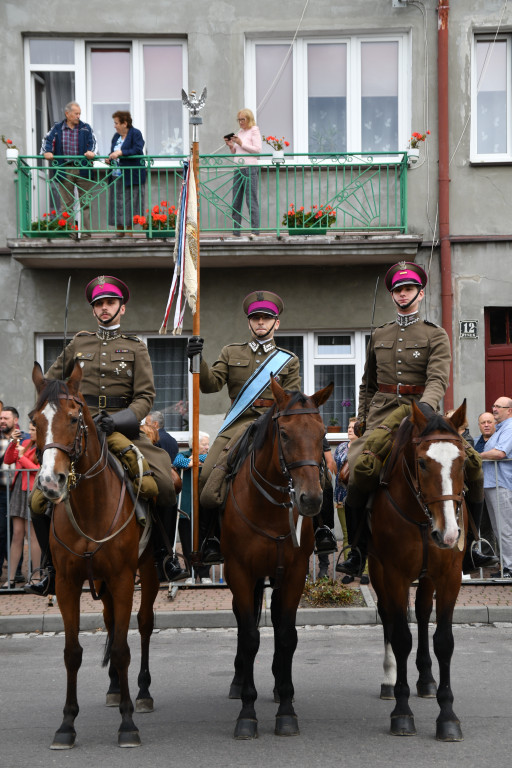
(117, 385)
(245, 369)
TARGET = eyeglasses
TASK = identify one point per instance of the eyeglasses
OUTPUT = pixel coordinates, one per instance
(500, 406)
(241, 119)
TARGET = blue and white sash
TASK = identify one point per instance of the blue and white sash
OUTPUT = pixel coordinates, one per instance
(255, 385)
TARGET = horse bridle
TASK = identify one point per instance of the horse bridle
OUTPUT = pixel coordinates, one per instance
(414, 482)
(78, 446)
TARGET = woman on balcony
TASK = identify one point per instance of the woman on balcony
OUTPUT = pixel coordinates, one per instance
(246, 142)
(126, 196)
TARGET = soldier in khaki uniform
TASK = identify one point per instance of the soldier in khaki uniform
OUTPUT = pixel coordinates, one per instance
(407, 359)
(117, 383)
(234, 367)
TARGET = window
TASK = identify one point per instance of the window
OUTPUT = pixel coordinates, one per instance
(142, 76)
(339, 95)
(500, 325)
(325, 357)
(170, 370)
(491, 98)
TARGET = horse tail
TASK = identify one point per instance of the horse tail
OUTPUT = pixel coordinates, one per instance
(108, 647)
(258, 599)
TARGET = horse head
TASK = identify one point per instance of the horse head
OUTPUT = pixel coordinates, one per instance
(438, 473)
(61, 432)
(300, 432)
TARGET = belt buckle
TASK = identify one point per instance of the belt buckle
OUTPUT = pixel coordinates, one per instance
(398, 390)
(102, 401)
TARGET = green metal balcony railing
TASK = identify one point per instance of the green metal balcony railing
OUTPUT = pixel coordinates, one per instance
(304, 194)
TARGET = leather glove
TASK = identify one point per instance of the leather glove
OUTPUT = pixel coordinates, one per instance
(359, 427)
(426, 409)
(123, 421)
(194, 346)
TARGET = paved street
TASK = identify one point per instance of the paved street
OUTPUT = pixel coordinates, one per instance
(337, 678)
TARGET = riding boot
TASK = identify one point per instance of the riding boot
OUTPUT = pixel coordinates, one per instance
(210, 533)
(473, 559)
(46, 586)
(325, 541)
(323, 566)
(166, 559)
(356, 560)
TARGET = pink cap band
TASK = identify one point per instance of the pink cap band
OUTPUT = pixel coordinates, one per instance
(263, 306)
(106, 289)
(404, 276)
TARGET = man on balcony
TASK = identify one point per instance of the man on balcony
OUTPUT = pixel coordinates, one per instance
(66, 139)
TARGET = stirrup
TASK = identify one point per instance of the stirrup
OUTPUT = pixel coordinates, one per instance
(45, 586)
(210, 552)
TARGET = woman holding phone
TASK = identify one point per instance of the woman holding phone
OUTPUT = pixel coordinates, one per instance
(246, 142)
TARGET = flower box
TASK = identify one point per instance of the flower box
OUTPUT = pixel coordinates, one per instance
(307, 230)
(160, 233)
(50, 234)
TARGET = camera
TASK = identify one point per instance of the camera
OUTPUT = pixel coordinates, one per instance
(229, 136)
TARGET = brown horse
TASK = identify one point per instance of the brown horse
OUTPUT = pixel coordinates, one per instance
(278, 479)
(95, 537)
(418, 525)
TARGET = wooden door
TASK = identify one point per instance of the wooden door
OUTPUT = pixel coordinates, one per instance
(498, 354)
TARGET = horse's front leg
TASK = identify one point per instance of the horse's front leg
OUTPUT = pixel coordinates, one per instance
(283, 613)
(68, 596)
(113, 694)
(146, 621)
(426, 685)
(447, 725)
(235, 689)
(248, 645)
(122, 597)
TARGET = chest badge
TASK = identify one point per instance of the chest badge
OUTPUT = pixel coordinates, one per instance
(123, 365)
(416, 354)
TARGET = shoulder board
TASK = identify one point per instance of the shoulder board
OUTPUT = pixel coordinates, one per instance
(282, 349)
(85, 333)
(130, 337)
(384, 325)
(429, 322)
(238, 344)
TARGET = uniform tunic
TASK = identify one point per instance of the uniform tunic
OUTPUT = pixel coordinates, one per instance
(115, 364)
(416, 354)
(234, 366)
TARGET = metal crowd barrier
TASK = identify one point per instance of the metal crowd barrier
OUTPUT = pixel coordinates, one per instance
(27, 545)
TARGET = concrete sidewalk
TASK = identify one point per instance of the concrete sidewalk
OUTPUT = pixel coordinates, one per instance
(210, 606)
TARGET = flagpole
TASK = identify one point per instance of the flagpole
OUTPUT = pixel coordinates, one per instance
(194, 105)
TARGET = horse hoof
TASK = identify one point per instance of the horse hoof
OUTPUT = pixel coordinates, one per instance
(113, 700)
(402, 725)
(287, 725)
(235, 691)
(246, 729)
(144, 705)
(129, 739)
(426, 690)
(449, 730)
(387, 691)
(63, 740)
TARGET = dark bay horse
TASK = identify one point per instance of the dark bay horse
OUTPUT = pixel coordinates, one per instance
(418, 526)
(95, 537)
(278, 480)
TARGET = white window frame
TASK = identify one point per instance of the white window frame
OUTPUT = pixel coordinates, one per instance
(81, 69)
(312, 358)
(504, 157)
(300, 95)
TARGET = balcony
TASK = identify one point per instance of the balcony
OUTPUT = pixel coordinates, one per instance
(364, 195)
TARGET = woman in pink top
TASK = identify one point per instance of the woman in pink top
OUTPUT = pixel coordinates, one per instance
(246, 142)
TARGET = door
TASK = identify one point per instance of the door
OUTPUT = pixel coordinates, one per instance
(498, 354)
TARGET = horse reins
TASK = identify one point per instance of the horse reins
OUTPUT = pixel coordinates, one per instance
(285, 467)
(415, 487)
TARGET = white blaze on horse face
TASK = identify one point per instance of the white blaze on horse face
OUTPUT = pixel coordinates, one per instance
(48, 479)
(445, 454)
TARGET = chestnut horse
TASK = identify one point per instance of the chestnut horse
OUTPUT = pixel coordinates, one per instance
(418, 525)
(95, 537)
(280, 464)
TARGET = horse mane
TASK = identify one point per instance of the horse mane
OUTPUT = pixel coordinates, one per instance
(51, 393)
(435, 423)
(255, 435)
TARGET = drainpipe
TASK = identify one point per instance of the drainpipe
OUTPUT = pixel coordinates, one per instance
(444, 183)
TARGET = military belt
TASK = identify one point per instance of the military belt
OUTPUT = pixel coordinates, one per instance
(401, 389)
(261, 402)
(103, 401)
